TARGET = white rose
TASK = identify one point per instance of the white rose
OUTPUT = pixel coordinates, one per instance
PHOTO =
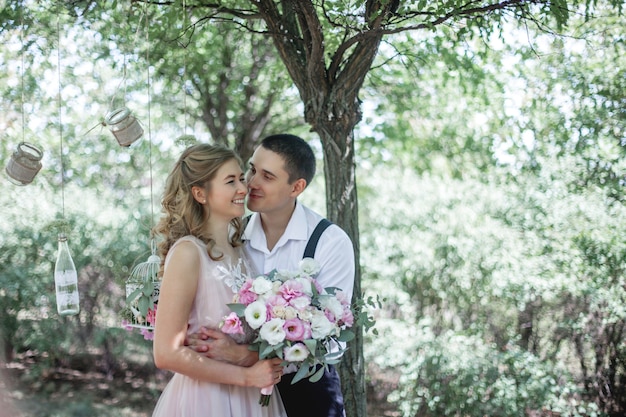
(333, 305)
(307, 286)
(306, 315)
(321, 327)
(284, 274)
(309, 266)
(290, 313)
(272, 331)
(300, 303)
(261, 285)
(279, 311)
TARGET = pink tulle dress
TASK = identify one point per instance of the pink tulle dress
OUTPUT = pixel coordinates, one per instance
(187, 397)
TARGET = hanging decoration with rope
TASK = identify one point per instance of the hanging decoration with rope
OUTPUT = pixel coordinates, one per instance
(124, 126)
(65, 275)
(121, 121)
(25, 162)
(143, 284)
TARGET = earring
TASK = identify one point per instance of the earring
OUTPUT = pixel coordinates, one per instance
(204, 202)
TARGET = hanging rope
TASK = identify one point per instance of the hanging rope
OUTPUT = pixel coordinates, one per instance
(124, 70)
(22, 74)
(184, 69)
(149, 120)
(122, 82)
(60, 114)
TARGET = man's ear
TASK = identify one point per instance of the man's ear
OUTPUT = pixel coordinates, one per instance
(297, 187)
(199, 194)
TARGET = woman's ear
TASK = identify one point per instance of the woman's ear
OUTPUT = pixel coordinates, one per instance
(199, 194)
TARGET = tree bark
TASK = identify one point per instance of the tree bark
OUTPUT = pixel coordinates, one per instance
(342, 208)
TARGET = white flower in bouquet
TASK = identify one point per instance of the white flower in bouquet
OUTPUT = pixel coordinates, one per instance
(300, 303)
(290, 313)
(279, 311)
(309, 267)
(307, 285)
(256, 314)
(262, 286)
(321, 327)
(331, 305)
(285, 275)
(296, 353)
(272, 331)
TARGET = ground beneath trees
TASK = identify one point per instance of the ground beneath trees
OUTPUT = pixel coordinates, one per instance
(31, 388)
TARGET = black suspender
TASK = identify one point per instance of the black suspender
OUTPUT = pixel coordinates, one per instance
(309, 251)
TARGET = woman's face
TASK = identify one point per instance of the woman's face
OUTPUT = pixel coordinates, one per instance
(227, 192)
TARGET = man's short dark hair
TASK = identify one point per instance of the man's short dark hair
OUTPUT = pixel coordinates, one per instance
(298, 155)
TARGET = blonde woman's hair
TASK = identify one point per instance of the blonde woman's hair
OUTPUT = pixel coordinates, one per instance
(182, 214)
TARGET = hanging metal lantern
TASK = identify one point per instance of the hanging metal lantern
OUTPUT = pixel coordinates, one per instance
(24, 164)
(142, 294)
(124, 126)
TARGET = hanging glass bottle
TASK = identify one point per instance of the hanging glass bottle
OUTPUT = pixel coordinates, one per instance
(66, 280)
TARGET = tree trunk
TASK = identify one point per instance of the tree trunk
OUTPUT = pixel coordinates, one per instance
(342, 209)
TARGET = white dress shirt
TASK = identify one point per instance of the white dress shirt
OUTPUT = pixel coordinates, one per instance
(334, 252)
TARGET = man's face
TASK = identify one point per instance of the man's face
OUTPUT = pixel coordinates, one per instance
(268, 182)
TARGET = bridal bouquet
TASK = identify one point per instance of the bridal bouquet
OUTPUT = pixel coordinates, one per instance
(293, 318)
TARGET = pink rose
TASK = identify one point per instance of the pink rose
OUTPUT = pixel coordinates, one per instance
(276, 306)
(246, 295)
(291, 289)
(276, 300)
(232, 324)
(348, 317)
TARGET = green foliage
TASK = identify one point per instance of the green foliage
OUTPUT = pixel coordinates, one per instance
(143, 297)
(453, 374)
(568, 99)
(519, 288)
(436, 115)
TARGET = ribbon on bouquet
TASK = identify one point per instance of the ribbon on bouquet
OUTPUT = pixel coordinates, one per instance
(266, 394)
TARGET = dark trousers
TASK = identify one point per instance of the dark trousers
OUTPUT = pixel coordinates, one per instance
(312, 399)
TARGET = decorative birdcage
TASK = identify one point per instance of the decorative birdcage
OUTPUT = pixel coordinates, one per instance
(142, 294)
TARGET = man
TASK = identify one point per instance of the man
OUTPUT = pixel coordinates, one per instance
(281, 168)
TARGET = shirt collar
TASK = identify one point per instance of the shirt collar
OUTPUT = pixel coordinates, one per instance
(296, 229)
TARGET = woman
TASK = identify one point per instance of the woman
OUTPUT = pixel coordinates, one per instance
(202, 269)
